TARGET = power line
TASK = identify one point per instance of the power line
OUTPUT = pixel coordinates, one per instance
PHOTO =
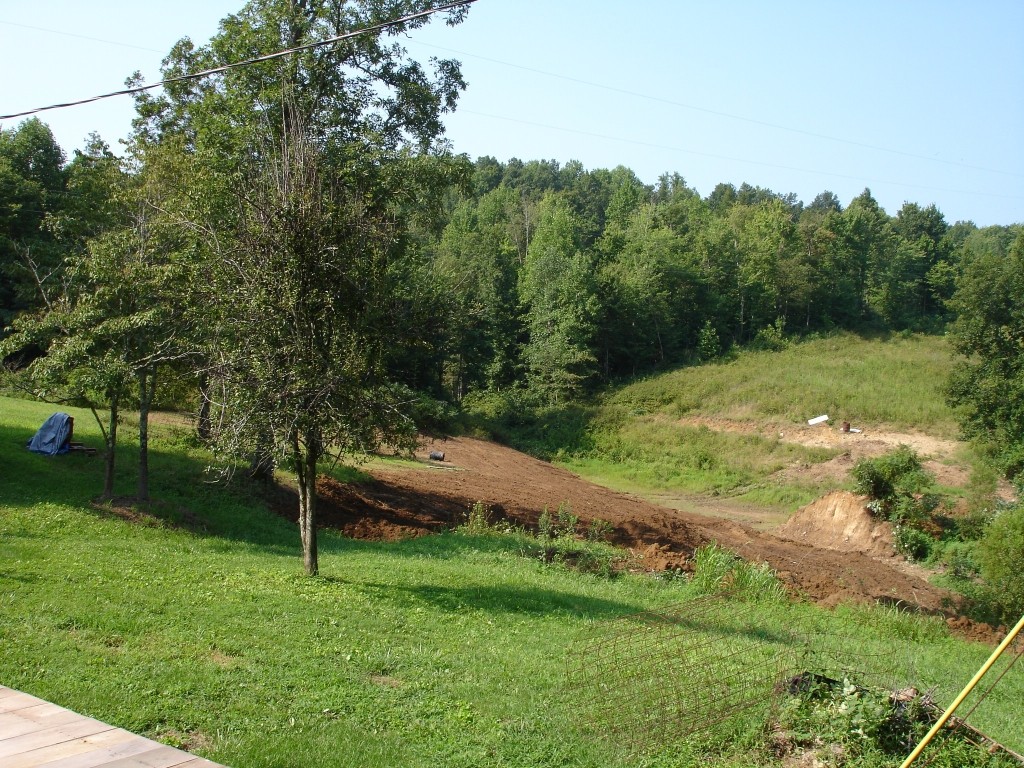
(714, 156)
(717, 113)
(247, 62)
(80, 37)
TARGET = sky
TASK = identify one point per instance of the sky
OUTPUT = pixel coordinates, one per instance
(920, 101)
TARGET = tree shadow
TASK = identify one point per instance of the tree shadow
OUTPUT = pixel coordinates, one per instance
(186, 496)
(503, 599)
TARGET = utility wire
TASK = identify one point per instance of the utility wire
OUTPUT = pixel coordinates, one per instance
(717, 113)
(247, 62)
(80, 37)
(734, 159)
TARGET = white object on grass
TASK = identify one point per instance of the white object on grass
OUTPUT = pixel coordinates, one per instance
(817, 420)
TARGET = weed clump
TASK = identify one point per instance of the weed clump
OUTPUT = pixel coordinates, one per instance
(717, 570)
(560, 539)
(841, 723)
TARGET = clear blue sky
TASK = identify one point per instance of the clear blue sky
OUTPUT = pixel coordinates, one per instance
(920, 101)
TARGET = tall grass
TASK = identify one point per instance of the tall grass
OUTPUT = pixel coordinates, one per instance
(193, 624)
(896, 381)
(647, 437)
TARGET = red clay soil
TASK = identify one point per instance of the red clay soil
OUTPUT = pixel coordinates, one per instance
(826, 566)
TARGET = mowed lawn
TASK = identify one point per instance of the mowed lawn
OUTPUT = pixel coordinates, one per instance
(195, 626)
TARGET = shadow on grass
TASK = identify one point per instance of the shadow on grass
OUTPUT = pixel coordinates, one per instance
(238, 511)
(30, 478)
(183, 499)
(504, 599)
(361, 517)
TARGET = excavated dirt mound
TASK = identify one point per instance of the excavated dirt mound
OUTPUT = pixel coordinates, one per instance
(839, 521)
(401, 502)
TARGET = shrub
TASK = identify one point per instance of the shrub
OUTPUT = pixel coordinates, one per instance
(886, 477)
(771, 338)
(912, 542)
(1000, 556)
(599, 530)
(708, 344)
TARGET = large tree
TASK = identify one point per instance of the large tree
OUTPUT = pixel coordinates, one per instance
(32, 186)
(315, 157)
(556, 287)
(988, 382)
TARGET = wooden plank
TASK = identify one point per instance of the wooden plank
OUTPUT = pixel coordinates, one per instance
(56, 754)
(37, 734)
(160, 756)
(17, 700)
(80, 728)
(104, 755)
(42, 712)
(31, 719)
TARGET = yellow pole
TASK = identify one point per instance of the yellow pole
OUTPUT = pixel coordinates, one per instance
(964, 693)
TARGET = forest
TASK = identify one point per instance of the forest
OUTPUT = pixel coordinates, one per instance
(292, 251)
(559, 279)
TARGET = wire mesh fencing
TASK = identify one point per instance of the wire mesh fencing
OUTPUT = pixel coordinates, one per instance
(654, 678)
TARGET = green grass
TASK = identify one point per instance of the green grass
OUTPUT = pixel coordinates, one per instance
(641, 437)
(897, 382)
(444, 650)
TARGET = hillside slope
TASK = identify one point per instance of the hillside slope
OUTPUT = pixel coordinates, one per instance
(520, 487)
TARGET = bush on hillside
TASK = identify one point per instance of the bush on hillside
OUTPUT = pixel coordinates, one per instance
(1000, 555)
(889, 477)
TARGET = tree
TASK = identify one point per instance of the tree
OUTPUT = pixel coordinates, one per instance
(987, 384)
(115, 319)
(925, 230)
(557, 291)
(315, 155)
(635, 292)
(32, 185)
(1001, 557)
(477, 263)
(869, 244)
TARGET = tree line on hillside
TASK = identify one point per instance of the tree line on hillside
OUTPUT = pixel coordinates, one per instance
(294, 243)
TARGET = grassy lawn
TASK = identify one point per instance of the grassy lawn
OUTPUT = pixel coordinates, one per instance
(445, 650)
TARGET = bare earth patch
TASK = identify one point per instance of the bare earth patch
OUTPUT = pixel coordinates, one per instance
(830, 552)
(402, 502)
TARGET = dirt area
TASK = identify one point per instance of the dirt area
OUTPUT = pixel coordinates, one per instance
(830, 552)
(938, 455)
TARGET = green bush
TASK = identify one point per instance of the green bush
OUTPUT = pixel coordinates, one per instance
(886, 477)
(771, 338)
(708, 343)
(912, 542)
(1000, 555)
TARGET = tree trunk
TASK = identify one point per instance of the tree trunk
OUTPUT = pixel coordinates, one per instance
(147, 383)
(261, 460)
(111, 441)
(204, 426)
(306, 456)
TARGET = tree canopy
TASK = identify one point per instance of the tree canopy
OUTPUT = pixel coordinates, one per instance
(295, 241)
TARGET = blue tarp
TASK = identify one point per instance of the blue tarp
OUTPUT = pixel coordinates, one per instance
(53, 437)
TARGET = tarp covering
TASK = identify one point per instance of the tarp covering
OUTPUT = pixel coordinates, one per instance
(53, 437)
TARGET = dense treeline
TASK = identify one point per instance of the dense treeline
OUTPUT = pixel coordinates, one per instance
(558, 278)
(554, 278)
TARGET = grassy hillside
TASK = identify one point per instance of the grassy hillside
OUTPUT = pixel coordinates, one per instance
(194, 625)
(895, 381)
(658, 437)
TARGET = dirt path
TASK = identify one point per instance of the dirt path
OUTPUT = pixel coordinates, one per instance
(938, 455)
(403, 501)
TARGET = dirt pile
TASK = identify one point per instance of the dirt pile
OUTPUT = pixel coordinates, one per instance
(401, 502)
(840, 522)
